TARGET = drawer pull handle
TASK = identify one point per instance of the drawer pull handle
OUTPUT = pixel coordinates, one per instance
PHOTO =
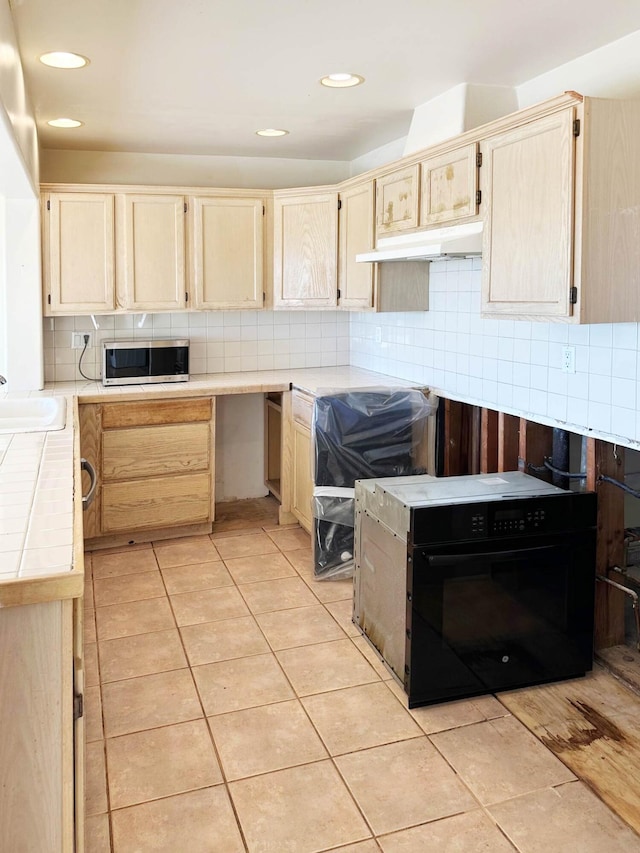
(87, 499)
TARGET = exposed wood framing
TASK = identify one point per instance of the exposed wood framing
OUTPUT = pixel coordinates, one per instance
(535, 443)
(458, 439)
(508, 442)
(607, 459)
(488, 441)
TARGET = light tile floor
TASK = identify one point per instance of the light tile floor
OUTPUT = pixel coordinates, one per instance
(232, 706)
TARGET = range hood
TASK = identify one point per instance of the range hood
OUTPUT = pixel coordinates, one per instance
(455, 241)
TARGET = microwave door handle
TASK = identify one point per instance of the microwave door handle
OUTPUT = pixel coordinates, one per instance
(494, 556)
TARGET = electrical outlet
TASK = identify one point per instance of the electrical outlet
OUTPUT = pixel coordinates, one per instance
(77, 339)
(568, 359)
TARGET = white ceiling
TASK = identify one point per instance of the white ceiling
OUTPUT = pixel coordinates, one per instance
(201, 76)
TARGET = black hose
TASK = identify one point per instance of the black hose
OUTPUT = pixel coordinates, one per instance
(84, 349)
(633, 492)
(542, 469)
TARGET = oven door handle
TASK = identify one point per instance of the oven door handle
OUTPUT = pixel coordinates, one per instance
(494, 556)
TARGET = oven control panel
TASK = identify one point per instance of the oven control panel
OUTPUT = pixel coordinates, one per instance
(518, 520)
(506, 518)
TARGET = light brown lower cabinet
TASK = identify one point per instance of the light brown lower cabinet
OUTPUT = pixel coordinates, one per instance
(302, 476)
(296, 472)
(154, 461)
(41, 742)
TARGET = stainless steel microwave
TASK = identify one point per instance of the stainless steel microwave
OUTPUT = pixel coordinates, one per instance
(139, 362)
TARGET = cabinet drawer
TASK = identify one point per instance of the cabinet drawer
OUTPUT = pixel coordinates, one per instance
(302, 408)
(145, 413)
(156, 502)
(152, 451)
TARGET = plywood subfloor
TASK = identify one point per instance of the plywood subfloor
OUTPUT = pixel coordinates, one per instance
(624, 663)
(237, 515)
(593, 725)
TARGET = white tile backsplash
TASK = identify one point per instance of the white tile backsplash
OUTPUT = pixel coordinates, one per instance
(221, 341)
(500, 363)
(509, 363)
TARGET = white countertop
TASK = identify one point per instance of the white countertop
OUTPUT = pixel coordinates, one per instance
(36, 502)
(36, 468)
(312, 379)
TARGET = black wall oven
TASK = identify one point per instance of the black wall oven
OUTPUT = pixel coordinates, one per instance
(499, 596)
(478, 594)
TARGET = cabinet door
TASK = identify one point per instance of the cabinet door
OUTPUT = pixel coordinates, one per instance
(305, 251)
(79, 253)
(79, 685)
(449, 184)
(227, 240)
(397, 201)
(152, 245)
(528, 230)
(302, 479)
(355, 234)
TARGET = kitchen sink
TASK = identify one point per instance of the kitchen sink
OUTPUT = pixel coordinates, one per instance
(32, 414)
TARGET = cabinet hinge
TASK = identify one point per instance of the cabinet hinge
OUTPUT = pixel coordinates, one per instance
(264, 297)
(78, 706)
(339, 204)
(479, 159)
(48, 205)
(264, 210)
(338, 292)
(186, 296)
(479, 197)
(576, 127)
(48, 299)
(573, 295)
(185, 207)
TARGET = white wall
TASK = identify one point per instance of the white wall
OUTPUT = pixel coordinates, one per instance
(23, 296)
(378, 157)
(510, 365)
(14, 99)
(461, 108)
(20, 288)
(609, 72)
(239, 447)
(85, 167)
(3, 306)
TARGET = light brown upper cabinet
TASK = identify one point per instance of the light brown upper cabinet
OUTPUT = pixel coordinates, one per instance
(305, 250)
(397, 200)
(561, 221)
(449, 186)
(355, 234)
(227, 250)
(151, 251)
(528, 226)
(78, 253)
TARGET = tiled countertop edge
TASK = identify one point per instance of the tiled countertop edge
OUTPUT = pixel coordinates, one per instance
(45, 571)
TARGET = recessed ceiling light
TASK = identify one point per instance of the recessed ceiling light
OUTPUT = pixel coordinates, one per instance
(64, 122)
(272, 131)
(64, 59)
(342, 80)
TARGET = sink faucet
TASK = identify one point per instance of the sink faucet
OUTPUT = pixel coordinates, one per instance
(3, 381)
